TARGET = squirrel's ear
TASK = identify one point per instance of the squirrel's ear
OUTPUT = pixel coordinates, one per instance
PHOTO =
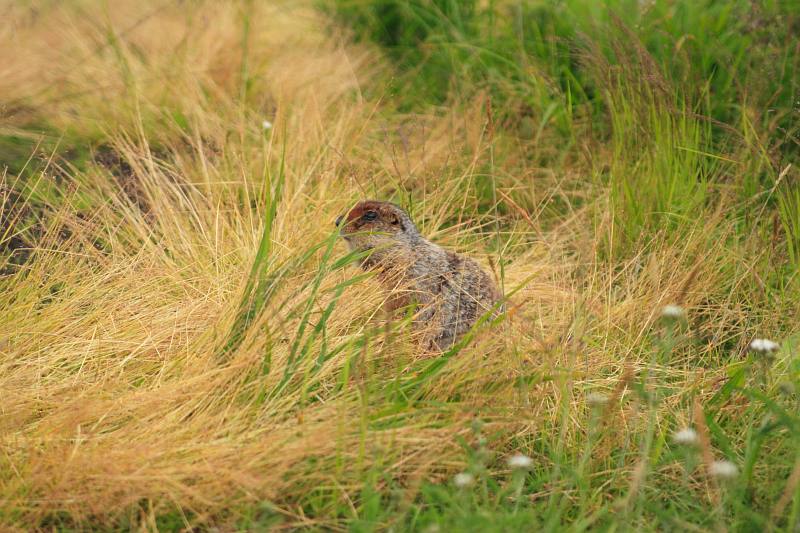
(394, 219)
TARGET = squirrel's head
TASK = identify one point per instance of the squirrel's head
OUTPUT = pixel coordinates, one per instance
(372, 224)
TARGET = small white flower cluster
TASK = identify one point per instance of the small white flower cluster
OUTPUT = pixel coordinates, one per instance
(265, 125)
(463, 480)
(673, 311)
(519, 462)
(723, 470)
(764, 346)
(686, 437)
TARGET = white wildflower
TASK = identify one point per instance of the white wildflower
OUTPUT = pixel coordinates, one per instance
(596, 399)
(673, 311)
(685, 437)
(723, 470)
(463, 480)
(519, 461)
(764, 346)
(266, 125)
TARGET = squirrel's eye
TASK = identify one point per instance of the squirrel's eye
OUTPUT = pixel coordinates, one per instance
(370, 215)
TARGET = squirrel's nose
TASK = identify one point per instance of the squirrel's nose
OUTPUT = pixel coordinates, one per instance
(338, 220)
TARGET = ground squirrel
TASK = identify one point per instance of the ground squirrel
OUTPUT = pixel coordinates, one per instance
(451, 290)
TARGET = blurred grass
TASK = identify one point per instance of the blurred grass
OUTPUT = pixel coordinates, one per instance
(184, 344)
(710, 82)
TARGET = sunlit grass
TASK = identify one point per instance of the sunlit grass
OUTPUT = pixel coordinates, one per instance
(184, 342)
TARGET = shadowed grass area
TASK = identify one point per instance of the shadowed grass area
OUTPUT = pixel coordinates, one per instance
(186, 344)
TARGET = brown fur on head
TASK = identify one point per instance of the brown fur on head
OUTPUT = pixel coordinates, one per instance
(373, 224)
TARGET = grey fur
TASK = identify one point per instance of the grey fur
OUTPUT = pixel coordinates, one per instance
(451, 290)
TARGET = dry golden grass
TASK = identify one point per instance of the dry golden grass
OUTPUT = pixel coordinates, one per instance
(115, 400)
